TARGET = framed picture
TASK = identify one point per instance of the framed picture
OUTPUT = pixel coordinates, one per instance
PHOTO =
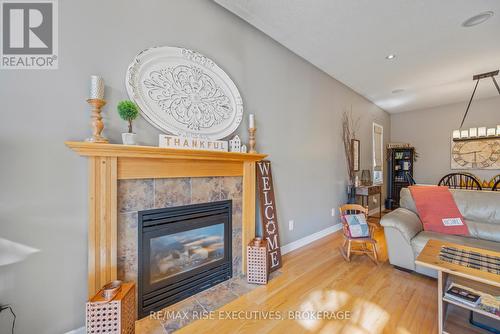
(355, 154)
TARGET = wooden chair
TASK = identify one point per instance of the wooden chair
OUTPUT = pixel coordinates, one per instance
(460, 181)
(496, 186)
(410, 179)
(368, 245)
(494, 183)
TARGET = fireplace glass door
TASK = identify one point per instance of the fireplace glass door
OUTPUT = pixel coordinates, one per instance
(182, 251)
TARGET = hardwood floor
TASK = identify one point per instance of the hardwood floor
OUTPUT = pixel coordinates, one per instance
(380, 299)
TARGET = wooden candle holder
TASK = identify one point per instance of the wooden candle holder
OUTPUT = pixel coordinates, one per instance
(97, 124)
(251, 140)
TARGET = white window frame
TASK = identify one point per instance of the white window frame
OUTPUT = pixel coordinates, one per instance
(378, 176)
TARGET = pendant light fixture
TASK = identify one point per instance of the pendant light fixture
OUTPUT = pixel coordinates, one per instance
(477, 78)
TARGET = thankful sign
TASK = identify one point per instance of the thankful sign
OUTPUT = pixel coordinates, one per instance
(269, 219)
(194, 143)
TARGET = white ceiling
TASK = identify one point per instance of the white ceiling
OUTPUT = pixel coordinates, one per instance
(349, 39)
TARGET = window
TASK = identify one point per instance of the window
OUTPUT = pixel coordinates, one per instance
(378, 153)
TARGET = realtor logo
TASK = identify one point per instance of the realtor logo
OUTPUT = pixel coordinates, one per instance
(29, 34)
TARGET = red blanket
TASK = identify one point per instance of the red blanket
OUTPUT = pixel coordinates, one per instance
(438, 211)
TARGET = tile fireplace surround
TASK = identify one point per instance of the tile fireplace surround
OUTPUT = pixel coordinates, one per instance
(124, 179)
(144, 194)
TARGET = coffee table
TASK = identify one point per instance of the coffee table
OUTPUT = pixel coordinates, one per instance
(453, 317)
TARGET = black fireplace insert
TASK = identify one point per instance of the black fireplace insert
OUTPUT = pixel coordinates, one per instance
(182, 250)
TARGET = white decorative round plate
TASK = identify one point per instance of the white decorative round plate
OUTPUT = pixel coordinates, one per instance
(184, 93)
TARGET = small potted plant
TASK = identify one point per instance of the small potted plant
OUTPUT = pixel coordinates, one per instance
(128, 111)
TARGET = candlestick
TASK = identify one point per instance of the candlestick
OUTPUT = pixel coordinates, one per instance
(481, 132)
(97, 124)
(96, 87)
(251, 140)
(251, 121)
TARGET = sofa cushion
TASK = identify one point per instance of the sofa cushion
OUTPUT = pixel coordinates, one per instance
(483, 230)
(479, 208)
(482, 206)
(419, 241)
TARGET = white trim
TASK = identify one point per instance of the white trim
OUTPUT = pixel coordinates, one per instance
(310, 238)
(378, 180)
(80, 330)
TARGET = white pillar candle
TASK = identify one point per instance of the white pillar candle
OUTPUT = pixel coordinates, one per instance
(498, 130)
(96, 87)
(464, 134)
(251, 121)
(481, 132)
(456, 134)
(491, 132)
(473, 132)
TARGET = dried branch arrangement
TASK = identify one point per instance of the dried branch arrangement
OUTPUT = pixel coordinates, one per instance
(349, 128)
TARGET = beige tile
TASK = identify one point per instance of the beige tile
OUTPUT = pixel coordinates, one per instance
(135, 195)
(231, 187)
(205, 189)
(127, 246)
(173, 316)
(172, 192)
(237, 216)
(216, 296)
(236, 251)
(149, 326)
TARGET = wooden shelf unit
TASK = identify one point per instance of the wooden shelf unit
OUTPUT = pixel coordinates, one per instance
(397, 174)
(453, 317)
(109, 163)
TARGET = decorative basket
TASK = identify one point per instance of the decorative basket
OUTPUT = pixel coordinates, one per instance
(257, 262)
(116, 316)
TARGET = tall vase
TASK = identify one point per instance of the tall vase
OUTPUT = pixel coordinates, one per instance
(351, 194)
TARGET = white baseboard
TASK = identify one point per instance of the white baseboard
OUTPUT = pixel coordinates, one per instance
(310, 238)
(80, 330)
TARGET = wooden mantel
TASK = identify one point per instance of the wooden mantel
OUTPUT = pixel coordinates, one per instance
(109, 163)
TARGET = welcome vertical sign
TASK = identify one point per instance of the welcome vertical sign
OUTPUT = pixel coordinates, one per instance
(268, 215)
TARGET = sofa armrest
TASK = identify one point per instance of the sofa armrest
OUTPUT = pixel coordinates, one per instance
(403, 220)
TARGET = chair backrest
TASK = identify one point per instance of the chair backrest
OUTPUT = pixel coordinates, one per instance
(494, 180)
(350, 209)
(410, 179)
(496, 186)
(460, 181)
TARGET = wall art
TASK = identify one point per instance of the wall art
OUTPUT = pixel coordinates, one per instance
(184, 93)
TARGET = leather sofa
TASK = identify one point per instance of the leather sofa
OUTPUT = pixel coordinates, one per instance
(406, 238)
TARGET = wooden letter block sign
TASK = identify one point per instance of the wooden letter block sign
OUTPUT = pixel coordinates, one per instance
(269, 219)
(116, 316)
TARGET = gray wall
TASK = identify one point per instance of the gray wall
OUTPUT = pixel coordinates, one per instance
(430, 132)
(43, 202)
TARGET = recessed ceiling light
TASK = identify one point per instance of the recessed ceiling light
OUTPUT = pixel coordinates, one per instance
(397, 91)
(391, 56)
(477, 19)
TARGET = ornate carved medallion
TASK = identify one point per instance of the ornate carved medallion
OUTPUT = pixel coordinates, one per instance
(184, 93)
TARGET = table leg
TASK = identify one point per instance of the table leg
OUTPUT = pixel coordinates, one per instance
(380, 204)
(442, 306)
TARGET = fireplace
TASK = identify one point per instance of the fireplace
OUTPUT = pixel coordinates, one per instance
(181, 251)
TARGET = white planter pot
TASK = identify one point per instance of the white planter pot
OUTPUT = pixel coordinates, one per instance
(129, 138)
